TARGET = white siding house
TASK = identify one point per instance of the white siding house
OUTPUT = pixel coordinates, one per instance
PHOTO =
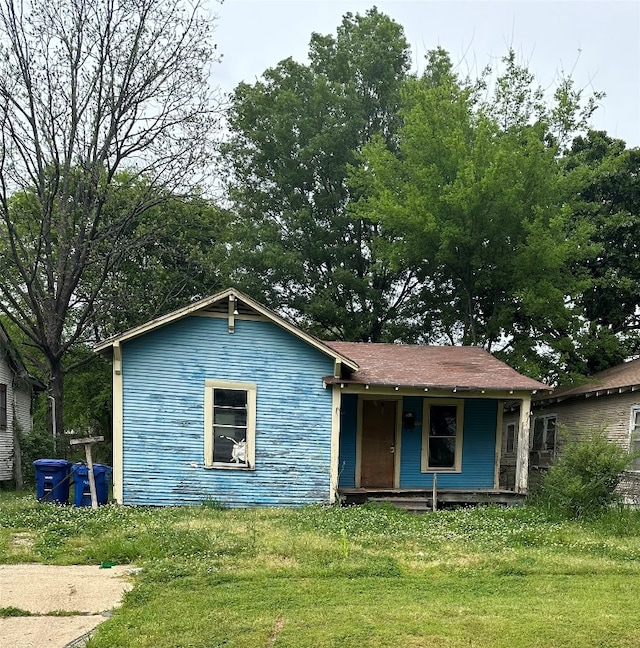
(16, 394)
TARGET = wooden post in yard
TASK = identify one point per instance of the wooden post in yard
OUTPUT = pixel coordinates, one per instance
(87, 442)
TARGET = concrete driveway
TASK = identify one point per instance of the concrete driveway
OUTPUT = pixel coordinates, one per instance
(88, 592)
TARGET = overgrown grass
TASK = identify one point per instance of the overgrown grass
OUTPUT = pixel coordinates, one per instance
(363, 576)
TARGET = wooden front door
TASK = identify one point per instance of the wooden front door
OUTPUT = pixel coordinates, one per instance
(378, 443)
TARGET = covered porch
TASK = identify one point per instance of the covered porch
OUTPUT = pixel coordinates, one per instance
(407, 435)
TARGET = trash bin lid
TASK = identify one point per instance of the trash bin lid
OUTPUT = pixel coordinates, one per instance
(80, 469)
(51, 463)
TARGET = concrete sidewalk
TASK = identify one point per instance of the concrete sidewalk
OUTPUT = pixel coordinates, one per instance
(90, 592)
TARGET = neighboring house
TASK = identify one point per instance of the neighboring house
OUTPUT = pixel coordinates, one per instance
(609, 399)
(224, 400)
(17, 388)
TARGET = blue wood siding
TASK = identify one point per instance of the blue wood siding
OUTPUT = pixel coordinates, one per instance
(478, 445)
(478, 448)
(348, 430)
(164, 375)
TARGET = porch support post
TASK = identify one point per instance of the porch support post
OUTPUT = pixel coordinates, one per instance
(498, 459)
(335, 442)
(522, 458)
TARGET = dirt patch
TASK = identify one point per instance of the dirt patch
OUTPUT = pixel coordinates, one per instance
(89, 592)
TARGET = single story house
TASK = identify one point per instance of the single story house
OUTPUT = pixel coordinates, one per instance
(225, 400)
(17, 389)
(608, 400)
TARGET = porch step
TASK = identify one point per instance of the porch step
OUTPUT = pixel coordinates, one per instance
(420, 501)
(414, 504)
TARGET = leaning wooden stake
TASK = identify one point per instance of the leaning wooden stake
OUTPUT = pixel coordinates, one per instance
(88, 442)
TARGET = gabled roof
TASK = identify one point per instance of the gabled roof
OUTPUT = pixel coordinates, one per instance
(218, 303)
(437, 367)
(621, 378)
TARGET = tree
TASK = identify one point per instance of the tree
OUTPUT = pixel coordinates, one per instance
(178, 252)
(89, 88)
(293, 136)
(472, 195)
(607, 179)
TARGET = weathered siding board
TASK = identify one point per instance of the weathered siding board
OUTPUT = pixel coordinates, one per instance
(164, 375)
(579, 416)
(348, 433)
(612, 411)
(18, 412)
(6, 435)
(478, 448)
(22, 404)
(575, 418)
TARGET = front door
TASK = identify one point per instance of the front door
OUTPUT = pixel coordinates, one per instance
(378, 443)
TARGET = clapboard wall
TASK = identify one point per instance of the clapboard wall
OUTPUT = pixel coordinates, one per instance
(164, 375)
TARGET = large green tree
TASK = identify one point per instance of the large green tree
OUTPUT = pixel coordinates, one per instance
(472, 196)
(607, 177)
(293, 136)
(89, 88)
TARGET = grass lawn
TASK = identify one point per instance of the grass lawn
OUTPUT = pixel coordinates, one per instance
(364, 576)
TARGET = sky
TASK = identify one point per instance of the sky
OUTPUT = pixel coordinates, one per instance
(597, 42)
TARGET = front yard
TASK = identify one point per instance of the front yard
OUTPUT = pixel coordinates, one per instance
(347, 577)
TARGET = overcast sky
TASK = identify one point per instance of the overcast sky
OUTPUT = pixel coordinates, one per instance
(598, 42)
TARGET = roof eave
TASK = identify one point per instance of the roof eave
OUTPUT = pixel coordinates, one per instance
(105, 347)
(332, 380)
(591, 393)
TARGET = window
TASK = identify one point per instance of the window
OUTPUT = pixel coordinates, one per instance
(442, 436)
(511, 438)
(544, 433)
(3, 406)
(230, 424)
(634, 437)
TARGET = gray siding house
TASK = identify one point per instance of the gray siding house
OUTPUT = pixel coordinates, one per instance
(609, 399)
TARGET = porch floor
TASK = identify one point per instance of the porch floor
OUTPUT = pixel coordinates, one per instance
(421, 500)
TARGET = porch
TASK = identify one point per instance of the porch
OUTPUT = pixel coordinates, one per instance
(422, 500)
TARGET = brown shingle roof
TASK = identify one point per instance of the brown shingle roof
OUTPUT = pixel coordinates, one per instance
(444, 367)
(621, 377)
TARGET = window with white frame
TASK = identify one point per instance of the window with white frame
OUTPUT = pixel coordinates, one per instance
(230, 424)
(510, 438)
(544, 433)
(442, 436)
(634, 437)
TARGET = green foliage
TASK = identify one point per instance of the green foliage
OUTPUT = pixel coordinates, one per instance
(176, 252)
(472, 196)
(11, 611)
(34, 445)
(606, 177)
(293, 136)
(583, 480)
(88, 148)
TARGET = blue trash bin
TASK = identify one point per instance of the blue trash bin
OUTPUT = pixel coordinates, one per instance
(101, 474)
(52, 480)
